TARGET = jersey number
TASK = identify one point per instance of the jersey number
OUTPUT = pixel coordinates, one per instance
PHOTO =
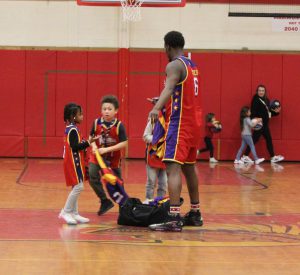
(196, 87)
(118, 197)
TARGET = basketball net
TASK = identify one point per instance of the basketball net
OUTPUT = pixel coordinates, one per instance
(131, 10)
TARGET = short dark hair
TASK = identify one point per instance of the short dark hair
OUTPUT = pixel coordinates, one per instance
(110, 99)
(70, 111)
(209, 117)
(174, 39)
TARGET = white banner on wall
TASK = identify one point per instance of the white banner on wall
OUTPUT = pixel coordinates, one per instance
(285, 24)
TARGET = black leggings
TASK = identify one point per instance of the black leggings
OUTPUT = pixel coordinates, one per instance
(265, 132)
(209, 147)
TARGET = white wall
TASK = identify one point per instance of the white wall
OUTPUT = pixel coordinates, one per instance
(205, 26)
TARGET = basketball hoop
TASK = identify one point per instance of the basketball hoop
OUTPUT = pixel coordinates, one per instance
(131, 10)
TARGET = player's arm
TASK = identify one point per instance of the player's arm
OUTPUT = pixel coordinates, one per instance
(148, 135)
(74, 141)
(174, 72)
(113, 148)
(122, 144)
(92, 137)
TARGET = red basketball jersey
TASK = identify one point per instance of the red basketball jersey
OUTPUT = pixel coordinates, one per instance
(109, 136)
(184, 110)
(73, 161)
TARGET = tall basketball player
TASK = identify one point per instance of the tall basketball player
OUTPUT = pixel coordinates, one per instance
(181, 98)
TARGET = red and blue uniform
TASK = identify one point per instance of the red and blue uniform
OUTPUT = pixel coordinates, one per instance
(183, 118)
(73, 158)
(110, 133)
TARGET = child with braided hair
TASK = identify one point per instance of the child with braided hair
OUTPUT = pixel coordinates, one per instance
(73, 156)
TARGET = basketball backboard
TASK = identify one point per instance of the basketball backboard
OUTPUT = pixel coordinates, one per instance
(146, 3)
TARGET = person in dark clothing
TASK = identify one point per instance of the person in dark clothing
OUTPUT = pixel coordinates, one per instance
(260, 108)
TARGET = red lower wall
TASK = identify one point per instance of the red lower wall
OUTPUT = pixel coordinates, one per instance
(35, 86)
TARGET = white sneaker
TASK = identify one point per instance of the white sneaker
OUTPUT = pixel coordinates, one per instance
(213, 160)
(80, 219)
(277, 158)
(238, 161)
(67, 217)
(246, 159)
(258, 161)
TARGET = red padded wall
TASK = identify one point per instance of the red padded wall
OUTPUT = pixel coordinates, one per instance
(102, 79)
(35, 86)
(40, 93)
(290, 103)
(209, 65)
(12, 102)
(290, 97)
(59, 78)
(71, 85)
(143, 83)
(235, 93)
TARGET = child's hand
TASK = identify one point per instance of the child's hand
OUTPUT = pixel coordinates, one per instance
(259, 119)
(94, 149)
(93, 139)
(217, 124)
(102, 151)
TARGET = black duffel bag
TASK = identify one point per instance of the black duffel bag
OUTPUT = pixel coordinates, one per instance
(134, 213)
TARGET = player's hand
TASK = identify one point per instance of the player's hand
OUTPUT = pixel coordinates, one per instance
(153, 115)
(93, 139)
(102, 151)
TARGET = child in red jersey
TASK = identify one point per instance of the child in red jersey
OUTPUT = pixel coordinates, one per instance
(212, 126)
(73, 157)
(112, 138)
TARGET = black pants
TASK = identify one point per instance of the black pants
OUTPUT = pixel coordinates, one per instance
(95, 181)
(265, 132)
(209, 147)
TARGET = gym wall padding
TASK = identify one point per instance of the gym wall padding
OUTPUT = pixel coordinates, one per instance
(291, 98)
(235, 92)
(36, 84)
(12, 102)
(144, 83)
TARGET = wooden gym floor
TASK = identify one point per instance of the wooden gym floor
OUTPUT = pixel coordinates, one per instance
(251, 224)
